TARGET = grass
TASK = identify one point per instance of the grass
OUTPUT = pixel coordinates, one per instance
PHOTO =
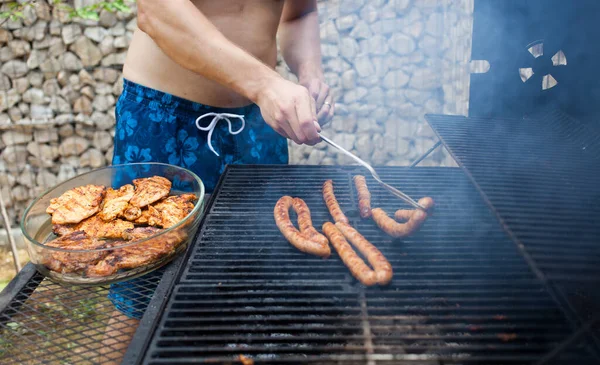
(7, 266)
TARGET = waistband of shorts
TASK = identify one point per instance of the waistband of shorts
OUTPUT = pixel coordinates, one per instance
(135, 92)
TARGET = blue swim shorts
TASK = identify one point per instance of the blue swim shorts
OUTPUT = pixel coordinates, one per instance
(153, 126)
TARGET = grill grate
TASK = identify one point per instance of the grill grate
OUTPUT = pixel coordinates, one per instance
(461, 293)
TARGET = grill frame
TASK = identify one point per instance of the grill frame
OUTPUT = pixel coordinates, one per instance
(184, 270)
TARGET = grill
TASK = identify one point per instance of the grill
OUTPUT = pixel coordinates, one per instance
(462, 291)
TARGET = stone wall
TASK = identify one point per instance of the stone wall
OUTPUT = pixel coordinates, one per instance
(59, 81)
(389, 62)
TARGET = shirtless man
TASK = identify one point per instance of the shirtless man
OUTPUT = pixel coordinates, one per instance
(200, 91)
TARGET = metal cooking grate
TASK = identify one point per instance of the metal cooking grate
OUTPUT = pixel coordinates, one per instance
(53, 324)
(541, 175)
(461, 292)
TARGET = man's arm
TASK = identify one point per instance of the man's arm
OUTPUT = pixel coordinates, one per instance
(301, 48)
(191, 40)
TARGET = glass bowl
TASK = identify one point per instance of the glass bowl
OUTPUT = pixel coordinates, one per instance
(152, 252)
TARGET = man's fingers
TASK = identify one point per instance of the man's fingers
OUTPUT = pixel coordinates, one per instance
(306, 119)
(283, 127)
(326, 112)
(292, 119)
(314, 88)
(313, 108)
(331, 111)
(323, 95)
(323, 113)
(290, 132)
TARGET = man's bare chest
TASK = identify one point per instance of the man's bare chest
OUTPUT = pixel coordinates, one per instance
(268, 8)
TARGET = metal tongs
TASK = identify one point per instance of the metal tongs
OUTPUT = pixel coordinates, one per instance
(389, 188)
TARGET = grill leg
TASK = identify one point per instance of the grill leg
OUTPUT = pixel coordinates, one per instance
(424, 156)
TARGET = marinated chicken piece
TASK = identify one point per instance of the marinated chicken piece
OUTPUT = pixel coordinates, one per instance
(150, 216)
(149, 190)
(63, 229)
(70, 239)
(95, 227)
(66, 262)
(140, 233)
(132, 213)
(76, 204)
(116, 201)
(174, 208)
(138, 255)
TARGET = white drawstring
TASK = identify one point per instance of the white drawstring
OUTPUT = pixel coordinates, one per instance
(211, 127)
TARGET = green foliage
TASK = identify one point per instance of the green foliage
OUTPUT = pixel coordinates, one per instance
(90, 12)
(15, 10)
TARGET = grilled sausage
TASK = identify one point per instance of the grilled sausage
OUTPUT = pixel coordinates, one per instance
(305, 223)
(413, 219)
(332, 203)
(355, 264)
(395, 229)
(297, 239)
(406, 214)
(382, 267)
(364, 196)
(427, 203)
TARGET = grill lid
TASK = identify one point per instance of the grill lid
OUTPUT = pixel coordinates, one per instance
(541, 176)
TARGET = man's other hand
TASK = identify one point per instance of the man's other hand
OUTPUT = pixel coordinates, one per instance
(323, 97)
(290, 110)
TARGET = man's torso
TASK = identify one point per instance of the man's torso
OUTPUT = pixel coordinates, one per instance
(252, 25)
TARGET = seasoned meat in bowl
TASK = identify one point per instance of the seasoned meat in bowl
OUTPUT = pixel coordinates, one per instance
(113, 223)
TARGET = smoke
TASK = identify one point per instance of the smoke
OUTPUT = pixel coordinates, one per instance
(523, 41)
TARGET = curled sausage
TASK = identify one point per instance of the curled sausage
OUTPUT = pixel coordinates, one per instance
(355, 264)
(382, 267)
(393, 228)
(332, 203)
(406, 214)
(427, 203)
(289, 231)
(305, 222)
(364, 196)
(413, 218)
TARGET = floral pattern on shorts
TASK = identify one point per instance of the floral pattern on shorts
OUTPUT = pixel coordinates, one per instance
(159, 127)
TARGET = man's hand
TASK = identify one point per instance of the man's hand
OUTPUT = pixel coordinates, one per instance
(323, 97)
(290, 110)
(301, 49)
